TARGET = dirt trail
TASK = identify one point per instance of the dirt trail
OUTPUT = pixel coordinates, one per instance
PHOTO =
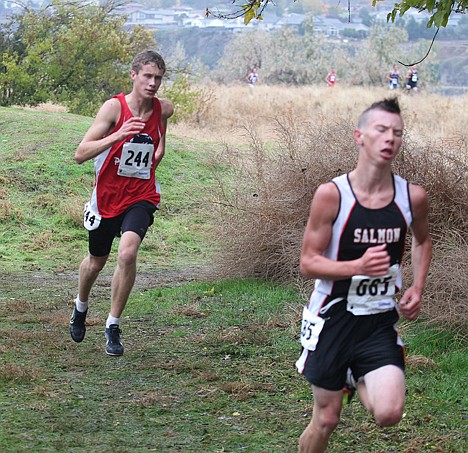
(35, 286)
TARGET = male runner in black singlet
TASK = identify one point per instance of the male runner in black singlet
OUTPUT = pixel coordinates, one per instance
(353, 246)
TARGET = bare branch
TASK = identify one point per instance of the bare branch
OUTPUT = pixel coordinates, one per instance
(425, 56)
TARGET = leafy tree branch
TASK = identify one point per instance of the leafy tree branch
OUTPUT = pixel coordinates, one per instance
(439, 11)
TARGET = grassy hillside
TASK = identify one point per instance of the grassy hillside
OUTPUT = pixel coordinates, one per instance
(43, 192)
(208, 366)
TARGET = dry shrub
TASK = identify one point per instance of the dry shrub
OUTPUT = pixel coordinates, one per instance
(4, 201)
(240, 390)
(264, 192)
(243, 390)
(154, 398)
(441, 167)
(447, 284)
(263, 204)
(41, 241)
(4, 210)
(10, 213)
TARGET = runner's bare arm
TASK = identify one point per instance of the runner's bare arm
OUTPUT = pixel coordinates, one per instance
(166, 112)
(98, 138)
(313, 264)
(421, 253)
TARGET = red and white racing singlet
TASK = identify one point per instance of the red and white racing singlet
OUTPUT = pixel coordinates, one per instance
(125, 172)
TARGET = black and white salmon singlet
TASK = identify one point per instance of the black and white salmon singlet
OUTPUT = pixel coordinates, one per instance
(355, 229)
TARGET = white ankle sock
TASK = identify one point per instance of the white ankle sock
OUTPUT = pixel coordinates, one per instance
(112, 320)
(81, 306)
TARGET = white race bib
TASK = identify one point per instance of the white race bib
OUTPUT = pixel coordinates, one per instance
(91, 220)
(370, 295)
(312, 325)
(136, 160)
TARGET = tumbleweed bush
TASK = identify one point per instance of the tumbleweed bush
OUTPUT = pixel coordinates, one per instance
(263, 201)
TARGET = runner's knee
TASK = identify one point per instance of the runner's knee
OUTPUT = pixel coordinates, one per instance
(127, 256)
(388, 416)
(96, 264)
(326, 420)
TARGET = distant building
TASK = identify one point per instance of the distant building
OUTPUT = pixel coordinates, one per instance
(290, 21)
(137, 14)
(332, 27)
(154, 19)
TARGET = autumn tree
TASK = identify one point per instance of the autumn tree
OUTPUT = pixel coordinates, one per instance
(385, 47)
(73, 53)
(282, 57)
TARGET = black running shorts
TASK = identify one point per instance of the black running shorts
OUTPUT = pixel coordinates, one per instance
(137, 218)
(362, 343)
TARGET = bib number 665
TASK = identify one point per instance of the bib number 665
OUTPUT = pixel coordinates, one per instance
(374, 286)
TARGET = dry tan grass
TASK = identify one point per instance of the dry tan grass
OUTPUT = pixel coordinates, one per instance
(72, 208)
(417, 362)
(12, 372)
(426, 115)
(45, 107)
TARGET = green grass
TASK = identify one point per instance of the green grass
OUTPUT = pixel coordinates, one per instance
(208, 365)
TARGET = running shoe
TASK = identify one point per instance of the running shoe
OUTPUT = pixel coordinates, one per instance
(349, 388)
(113, 345)
(77, 325)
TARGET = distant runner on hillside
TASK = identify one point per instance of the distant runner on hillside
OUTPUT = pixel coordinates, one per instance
(394, 78)
(252, 79)
(331, 78)
(412, 79)
(127, 142)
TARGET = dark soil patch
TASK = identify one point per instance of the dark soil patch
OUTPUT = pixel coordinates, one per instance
(37, 286)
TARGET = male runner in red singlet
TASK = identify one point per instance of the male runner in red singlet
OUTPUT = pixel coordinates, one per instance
(127, 142)
(331, 78)
(353, 246)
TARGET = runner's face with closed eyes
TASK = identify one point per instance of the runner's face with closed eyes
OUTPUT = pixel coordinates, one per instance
(148, 80)
(381, 137)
